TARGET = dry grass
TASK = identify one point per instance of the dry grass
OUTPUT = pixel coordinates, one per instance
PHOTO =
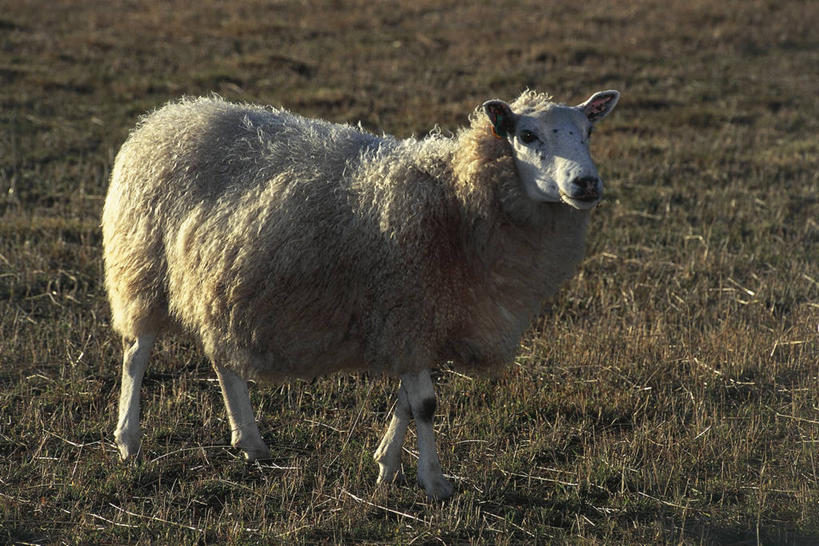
(670, 396)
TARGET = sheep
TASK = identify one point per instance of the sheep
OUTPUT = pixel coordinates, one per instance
(295, 247)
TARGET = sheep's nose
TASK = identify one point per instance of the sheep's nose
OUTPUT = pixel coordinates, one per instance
(587, 188)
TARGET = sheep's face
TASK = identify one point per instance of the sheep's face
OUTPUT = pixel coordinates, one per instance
(551, 148)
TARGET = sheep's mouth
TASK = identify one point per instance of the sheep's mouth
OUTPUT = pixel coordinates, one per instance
(584, 201)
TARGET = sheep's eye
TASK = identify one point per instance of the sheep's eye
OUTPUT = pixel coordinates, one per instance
(527, 137)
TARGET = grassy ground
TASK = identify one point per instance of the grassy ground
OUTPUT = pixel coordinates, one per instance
(670, 396)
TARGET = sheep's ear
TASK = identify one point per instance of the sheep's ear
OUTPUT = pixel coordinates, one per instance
(501, 116)
(600, 104)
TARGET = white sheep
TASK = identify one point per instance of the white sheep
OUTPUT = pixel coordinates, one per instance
(294, 247)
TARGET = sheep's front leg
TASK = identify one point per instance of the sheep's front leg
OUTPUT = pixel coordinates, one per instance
(134, 363)
(421, 396)
(244, 434)
(388, 454)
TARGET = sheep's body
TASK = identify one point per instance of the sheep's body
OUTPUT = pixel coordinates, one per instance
(294, 247)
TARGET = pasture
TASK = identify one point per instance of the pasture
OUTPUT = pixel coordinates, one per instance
(669, 394)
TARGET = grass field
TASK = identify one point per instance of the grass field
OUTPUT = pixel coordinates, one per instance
(670, 394)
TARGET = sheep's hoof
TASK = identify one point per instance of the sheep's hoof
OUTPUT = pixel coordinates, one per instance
(128, 447)
(255, 453)
(390, 475)
(437, 487)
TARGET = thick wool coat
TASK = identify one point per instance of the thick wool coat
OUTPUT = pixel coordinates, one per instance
(295, 247)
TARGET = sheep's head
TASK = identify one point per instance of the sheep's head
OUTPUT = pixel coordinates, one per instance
(550, 143)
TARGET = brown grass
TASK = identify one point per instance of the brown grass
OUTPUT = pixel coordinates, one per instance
(670, 396)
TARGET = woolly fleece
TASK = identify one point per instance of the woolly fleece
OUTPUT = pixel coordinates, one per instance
(294, 247)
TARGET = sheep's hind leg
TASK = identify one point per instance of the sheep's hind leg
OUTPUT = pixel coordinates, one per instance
(243, 430)
(134, 363)
(388, 454)
(421, 397)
